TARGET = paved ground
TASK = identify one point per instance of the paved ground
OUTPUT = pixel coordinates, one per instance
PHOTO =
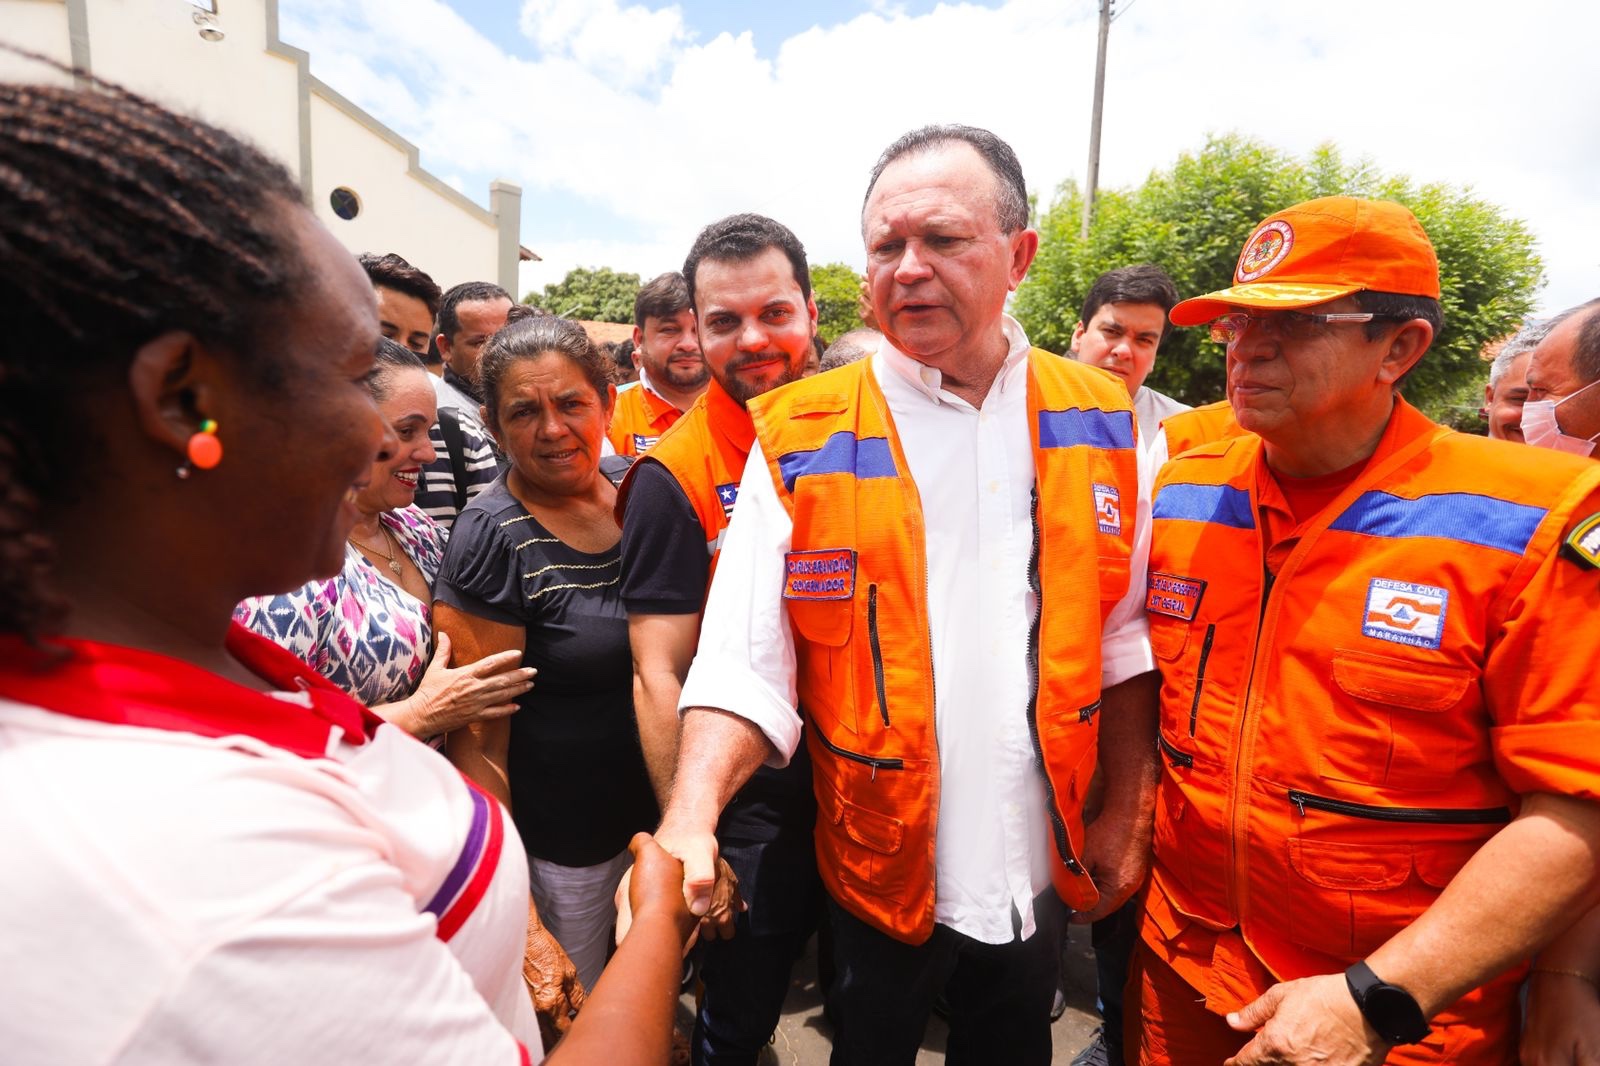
(803, 1036)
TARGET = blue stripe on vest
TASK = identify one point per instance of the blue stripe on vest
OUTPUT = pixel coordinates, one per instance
(1096, 428)
(1462, 516)
(1222, 505)
(842, 453)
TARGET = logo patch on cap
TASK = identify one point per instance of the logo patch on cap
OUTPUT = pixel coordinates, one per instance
(1265, 250)
(1108, 509)
(1405, 613)
(1582, 545)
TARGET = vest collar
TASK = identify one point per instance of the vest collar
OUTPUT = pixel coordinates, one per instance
(126, 686)
(728, 417)
(656, 406)
(929, 382)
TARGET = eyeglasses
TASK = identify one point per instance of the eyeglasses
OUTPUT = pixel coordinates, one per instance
(1286, 325)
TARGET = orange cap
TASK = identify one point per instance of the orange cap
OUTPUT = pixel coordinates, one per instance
(1319, 251)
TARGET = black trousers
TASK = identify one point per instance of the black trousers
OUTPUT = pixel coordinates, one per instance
(999, 994)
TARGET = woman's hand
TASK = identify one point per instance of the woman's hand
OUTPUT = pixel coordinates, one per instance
(552, 981)
(655, 887)
(449, 697)
(1563, 1024)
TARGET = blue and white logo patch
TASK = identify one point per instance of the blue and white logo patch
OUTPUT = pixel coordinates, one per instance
(1108, 509)
(728, 495)
(1405, 613)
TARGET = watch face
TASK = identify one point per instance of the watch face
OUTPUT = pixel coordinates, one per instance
(1395, 1015)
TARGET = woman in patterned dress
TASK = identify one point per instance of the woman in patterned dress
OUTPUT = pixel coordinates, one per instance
(369, 629)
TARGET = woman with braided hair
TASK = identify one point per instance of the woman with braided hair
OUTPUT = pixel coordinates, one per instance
(210, 853)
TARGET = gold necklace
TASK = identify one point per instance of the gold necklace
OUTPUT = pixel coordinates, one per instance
(388, 542)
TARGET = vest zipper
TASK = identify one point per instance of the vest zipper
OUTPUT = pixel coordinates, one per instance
(877, 653)
(1174, 755)
(1058, 828)
(866, 760)
(1200, 676)
(1434, 815)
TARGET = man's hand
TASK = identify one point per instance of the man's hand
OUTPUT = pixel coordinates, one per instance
(726, 905)
(710, 888)
(1313, 1020)
(1563, 1024)
(552, 981)
(1116, 852)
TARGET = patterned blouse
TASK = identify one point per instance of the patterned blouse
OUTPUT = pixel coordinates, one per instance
(359, 630)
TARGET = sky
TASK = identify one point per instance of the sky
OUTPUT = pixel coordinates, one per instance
(631, 125)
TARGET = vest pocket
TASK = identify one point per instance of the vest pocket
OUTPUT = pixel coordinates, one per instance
(827, 680)
(1385, 722)
(864, 843)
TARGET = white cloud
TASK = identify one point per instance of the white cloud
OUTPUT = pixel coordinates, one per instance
(661, 133)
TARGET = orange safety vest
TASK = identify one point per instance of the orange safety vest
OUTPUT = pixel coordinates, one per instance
(639, 420)
(856, 587)
(705, 452)
(1340, 739)
(1199, 425)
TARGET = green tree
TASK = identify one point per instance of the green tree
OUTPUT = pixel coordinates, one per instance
(1193, 218)
(599, 295)
(836, 288)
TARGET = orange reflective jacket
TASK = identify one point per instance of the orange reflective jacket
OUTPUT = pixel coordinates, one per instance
(1199, 425)
(1339, 739)
(856, 591)
(705, 452)
(639, 420)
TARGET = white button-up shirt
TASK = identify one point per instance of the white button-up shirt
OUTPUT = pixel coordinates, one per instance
(973, 468)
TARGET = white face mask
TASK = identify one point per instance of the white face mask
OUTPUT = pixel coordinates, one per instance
(1540, 428)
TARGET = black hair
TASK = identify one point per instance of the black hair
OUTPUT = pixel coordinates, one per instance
(1011, 191)
(1143, 283)
(530, 337)
(119, 221)
(390, 357)
(1398, 307)
(739, 239)
(661, 297)
(465, 293)
(389, 271)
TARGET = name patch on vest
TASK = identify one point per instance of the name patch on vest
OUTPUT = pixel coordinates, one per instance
(1108, 509)
(824, 574)
(728, 495)
(1174, 596)
(1582, 545)
(1405, 613)
(643, 443)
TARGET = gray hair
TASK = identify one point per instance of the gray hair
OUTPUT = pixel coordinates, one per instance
(1520, 343)
(849, 347)
(1011, 191)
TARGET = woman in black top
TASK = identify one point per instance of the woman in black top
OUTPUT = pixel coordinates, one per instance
(532, 564)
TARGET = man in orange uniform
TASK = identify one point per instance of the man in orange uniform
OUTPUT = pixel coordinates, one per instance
(960, 506)
(1380, 732)
(672, 372)
(750, 288)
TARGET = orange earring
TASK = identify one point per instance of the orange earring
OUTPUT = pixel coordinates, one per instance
(204, 450)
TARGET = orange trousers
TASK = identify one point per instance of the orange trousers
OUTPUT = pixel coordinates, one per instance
(1172, 1026)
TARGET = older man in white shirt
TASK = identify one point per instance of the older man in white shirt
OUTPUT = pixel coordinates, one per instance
(951, 891)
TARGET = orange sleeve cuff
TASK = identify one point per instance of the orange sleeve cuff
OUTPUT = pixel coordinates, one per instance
(1558, 757)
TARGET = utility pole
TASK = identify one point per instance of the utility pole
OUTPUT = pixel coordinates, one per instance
(1094, 122)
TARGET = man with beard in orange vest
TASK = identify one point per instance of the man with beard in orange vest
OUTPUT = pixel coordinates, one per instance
(750, 289)
(1380, 733)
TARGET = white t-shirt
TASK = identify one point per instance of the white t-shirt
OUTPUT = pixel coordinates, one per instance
(973, 468)
(171, 898)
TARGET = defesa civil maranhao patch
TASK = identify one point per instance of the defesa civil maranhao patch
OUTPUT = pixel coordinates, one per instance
(1582, 545)
(1174, 596)
(1404, 612)
(821, 574)
(1108, 509)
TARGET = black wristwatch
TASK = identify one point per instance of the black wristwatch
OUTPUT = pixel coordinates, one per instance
(1388, 1008)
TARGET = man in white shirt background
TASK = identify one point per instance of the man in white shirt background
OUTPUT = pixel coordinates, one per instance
(1121, 327)
(966, 431)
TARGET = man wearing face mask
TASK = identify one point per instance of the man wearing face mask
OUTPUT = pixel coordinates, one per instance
(1562, 411)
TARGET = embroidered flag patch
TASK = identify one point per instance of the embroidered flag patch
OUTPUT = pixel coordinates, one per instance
(643, 443)
(1582, 545)
(1108, 509)
(1405, 613)
(1177, 597)
(728, 495)
(825, 574)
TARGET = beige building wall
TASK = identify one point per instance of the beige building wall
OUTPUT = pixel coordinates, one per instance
(247, 81)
